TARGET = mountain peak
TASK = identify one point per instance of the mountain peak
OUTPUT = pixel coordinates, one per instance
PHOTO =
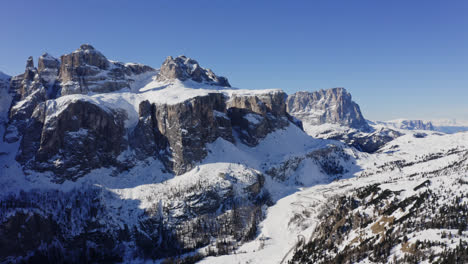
(333, 106)
(86, 47)
(184, 68)
(30, 62)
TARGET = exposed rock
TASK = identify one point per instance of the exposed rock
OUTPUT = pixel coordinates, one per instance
(74, 137)
(255, 116)
(190, 125)
(70, 138)
(370, 142)
(28, 92)
(333, 106)
(331, 114)
(48, 69)
(30, 63)
(184, 68)
(87, 70)
(81, 137)
(178, 133)
(146, 138)
(30, 89)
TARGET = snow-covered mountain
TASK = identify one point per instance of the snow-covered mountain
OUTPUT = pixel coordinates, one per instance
(332, 114)
(331, 106)
(103, 161)
(406, 124)
(450, 126)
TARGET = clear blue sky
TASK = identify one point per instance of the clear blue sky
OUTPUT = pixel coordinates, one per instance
(399, 59)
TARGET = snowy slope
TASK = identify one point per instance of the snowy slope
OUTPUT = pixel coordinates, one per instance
(450, 126)
(294, 218)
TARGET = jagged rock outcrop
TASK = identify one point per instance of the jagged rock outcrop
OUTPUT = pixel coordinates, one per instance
(87, 70)
(184, 68)
(333, 106)
(29, 90)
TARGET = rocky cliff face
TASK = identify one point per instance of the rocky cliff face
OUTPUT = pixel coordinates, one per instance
(71, 135)
(333, 106)
(83, 136)
(84, 70)
(87, 70)
(184, 68)
(178, 133)
(332, 114)
(70, 143)
(253, 117)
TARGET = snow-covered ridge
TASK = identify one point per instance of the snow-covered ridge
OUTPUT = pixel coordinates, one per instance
(407, 124)
(170, 93)
(448, 126)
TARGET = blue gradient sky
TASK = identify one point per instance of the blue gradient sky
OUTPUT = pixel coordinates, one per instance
(399, 59)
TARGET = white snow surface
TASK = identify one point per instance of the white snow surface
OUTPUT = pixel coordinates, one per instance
(281, 230)
(172, 92)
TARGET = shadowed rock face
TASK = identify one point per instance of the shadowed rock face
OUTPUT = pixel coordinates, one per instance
(334, 106)
(253, 117)
(83, 136)
(181, 131)
(184, 68)
(190, 125)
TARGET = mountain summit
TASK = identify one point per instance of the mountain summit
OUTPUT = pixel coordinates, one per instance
(183, 68)
(331, 106)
